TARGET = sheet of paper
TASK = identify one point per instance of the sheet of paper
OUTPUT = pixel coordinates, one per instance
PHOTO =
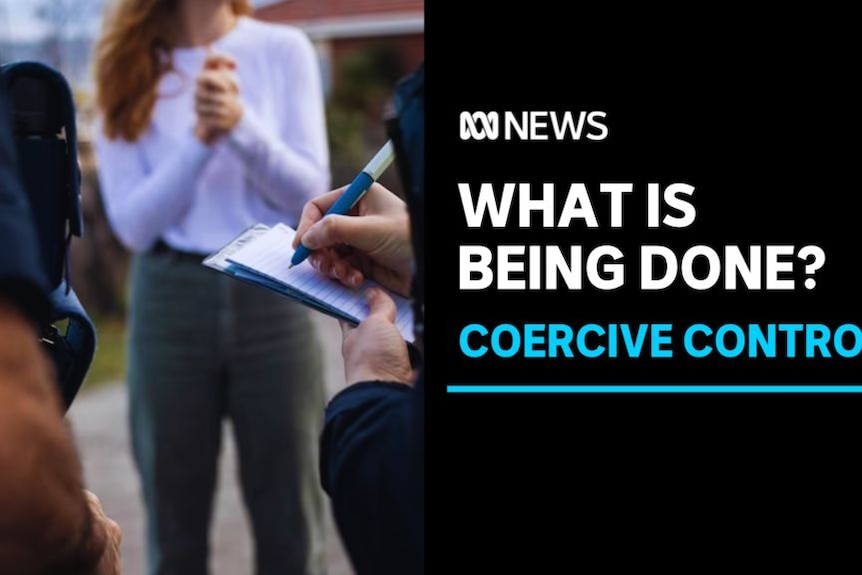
(219, 260)
(269, 255)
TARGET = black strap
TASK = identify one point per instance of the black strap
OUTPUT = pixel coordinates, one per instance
(73, 351)
(162, 248)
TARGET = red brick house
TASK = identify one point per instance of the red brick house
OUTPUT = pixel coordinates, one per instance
(340, 28)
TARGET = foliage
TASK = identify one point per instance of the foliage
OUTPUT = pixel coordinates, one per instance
(363, 85)
(110, 361)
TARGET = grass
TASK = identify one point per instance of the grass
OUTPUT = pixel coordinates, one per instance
(109, 364)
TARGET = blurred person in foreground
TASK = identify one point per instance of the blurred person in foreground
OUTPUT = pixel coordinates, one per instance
(211, 122)
(48, 523)
(372, 449)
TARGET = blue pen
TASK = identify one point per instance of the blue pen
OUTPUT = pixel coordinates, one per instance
(354, 192)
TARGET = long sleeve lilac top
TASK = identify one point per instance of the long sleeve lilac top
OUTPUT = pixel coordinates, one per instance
(197, 198)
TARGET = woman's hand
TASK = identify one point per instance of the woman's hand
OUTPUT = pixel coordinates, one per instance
(372, 241)
(217, 102)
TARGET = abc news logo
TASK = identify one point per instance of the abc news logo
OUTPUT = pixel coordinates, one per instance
(533, 126)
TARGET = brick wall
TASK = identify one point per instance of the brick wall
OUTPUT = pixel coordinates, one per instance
(316, 9)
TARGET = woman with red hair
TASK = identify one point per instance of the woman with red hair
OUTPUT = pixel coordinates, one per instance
(209, 123)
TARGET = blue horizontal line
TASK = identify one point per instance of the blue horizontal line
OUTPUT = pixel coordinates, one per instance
(654, 388)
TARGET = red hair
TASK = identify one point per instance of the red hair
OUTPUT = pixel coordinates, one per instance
(131, 57)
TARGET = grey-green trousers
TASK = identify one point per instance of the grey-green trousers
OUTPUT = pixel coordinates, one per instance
(203, 347)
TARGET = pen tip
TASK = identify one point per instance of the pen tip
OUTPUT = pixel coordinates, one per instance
(290, 266)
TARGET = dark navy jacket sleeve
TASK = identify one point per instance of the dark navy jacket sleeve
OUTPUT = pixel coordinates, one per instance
(22, 278)
(372, 458)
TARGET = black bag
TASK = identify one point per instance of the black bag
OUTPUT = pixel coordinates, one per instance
(43, 122)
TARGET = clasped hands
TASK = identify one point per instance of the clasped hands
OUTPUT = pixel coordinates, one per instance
(217, 98)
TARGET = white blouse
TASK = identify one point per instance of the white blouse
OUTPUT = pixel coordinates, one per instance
(197, 198)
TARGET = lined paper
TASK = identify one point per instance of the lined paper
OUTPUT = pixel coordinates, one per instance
(268, 254)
